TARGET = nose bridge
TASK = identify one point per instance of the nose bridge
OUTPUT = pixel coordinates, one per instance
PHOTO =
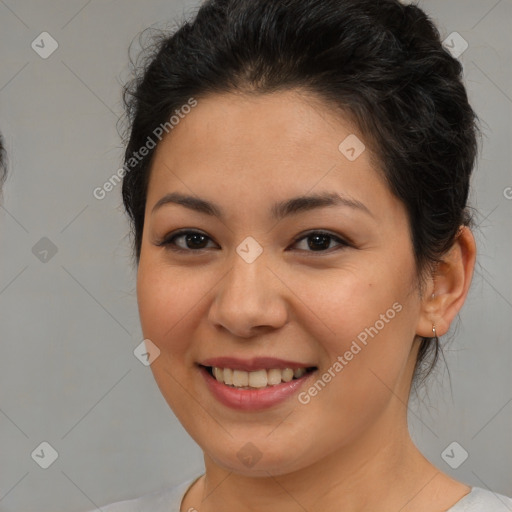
(248, 297)
(247, 284)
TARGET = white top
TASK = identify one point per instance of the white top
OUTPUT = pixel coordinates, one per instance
(169, 500)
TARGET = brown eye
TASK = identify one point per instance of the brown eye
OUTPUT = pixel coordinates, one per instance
(320, 241)
(193, 241)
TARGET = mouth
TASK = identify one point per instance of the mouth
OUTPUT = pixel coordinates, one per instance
(255, 384)
(257, 379)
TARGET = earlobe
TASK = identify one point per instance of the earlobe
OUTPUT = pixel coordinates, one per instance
(449, 286)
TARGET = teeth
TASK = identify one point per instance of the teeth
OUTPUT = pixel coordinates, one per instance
(228, 376)
(257, 379)
(274, 376)
(299, 372)
(287, 374)
(240, 378)
(218, 374)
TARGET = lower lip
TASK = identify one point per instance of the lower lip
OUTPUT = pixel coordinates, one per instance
(249, 399)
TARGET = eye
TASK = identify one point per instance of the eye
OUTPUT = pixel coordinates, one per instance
(320, 241)
(195, 241)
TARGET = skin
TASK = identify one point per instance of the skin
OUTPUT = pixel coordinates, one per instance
(350, 444)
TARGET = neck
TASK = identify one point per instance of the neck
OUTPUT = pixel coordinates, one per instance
(380, 470)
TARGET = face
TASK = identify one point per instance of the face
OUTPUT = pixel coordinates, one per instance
(244, 285)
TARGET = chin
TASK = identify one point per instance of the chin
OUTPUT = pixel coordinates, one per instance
(261, 469)
(257, 461)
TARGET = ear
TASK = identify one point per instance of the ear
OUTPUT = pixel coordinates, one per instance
(448, 287)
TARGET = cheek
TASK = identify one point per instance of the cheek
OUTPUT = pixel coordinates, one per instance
(170, 305)
(349, 302)
(366, 317)
(169, 299)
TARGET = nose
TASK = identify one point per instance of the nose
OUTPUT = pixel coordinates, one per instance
(249, 299)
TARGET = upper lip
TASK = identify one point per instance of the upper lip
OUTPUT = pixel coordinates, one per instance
(256, 363)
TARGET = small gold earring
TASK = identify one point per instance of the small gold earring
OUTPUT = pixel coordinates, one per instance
(434, 330)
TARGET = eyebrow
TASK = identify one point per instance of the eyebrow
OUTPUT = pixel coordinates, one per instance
(278, 211)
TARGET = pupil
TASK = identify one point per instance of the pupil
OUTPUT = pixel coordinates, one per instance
(319, 237)
(194, 238)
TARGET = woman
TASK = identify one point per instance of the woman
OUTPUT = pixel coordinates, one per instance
(297, 174)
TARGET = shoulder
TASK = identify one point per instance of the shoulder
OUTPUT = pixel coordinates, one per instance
(480, 499)
(166, 500)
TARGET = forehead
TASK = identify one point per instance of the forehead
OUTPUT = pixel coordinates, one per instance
(259, 124)
(274, 145)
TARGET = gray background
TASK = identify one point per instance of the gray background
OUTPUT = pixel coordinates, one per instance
(69, 320)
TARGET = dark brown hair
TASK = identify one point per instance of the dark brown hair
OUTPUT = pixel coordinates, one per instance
(379, 60)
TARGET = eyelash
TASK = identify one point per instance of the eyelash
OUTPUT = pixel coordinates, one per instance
(168, 242)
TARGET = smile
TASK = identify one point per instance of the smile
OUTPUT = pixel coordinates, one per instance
(256, 389)
(256, 379)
